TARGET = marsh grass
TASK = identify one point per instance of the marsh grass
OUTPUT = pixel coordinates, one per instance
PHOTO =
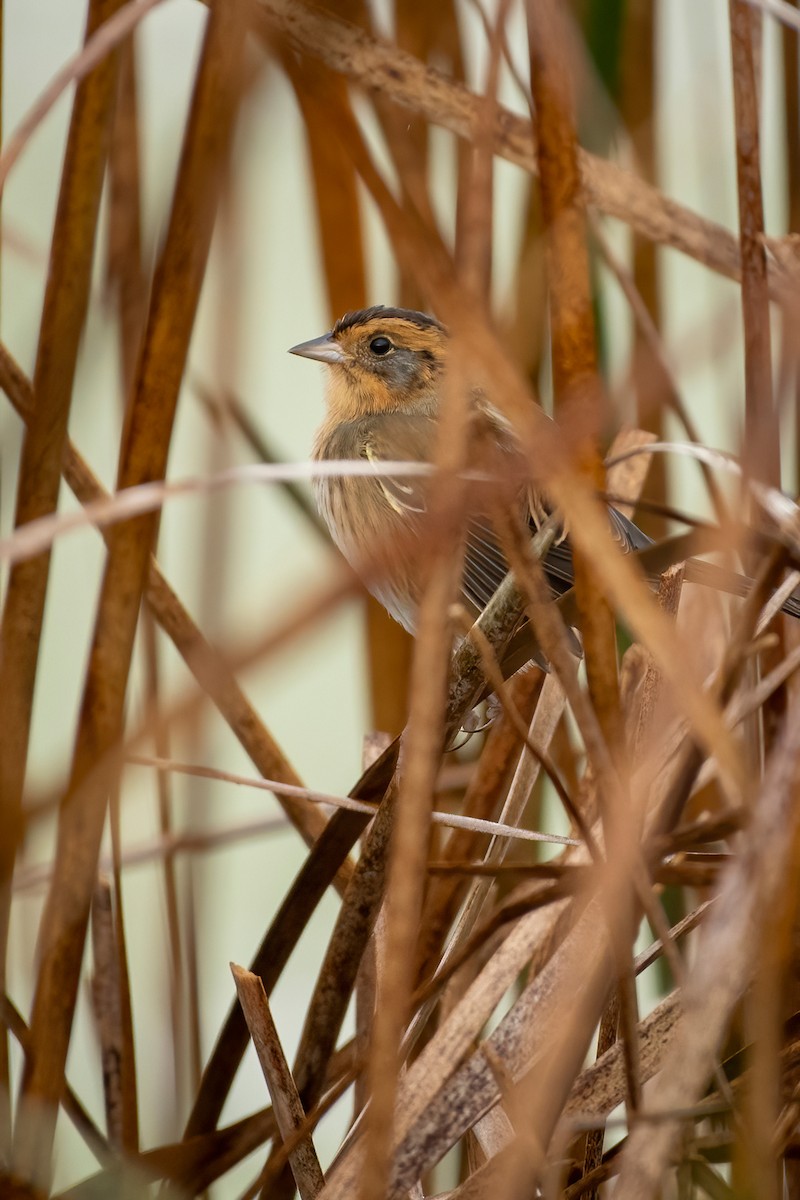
(500, 1016)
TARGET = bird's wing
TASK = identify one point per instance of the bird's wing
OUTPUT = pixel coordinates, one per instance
(485, 565)
(399, 437)
(558, 563)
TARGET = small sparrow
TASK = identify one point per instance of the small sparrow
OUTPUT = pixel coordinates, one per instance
(385, 368)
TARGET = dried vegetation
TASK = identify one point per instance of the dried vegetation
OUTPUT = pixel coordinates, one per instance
(618, 1017)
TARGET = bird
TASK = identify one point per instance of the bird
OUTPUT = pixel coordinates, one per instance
(385, 367)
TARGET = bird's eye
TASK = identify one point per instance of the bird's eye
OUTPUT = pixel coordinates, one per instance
(380, 346)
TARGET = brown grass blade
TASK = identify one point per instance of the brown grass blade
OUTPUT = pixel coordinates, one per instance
(193, 1165)
(761, 430)
(116, 1046)
(63, 315)
(339, 968)
(127, 1048)
(577, 394)
(335, 194)
(445, 896)
(5, 1075)
(526, 330)
(144, 455)
(423, 1086)
(761, 446)
(473, 248)
(372, 960)
(548, 712)
(638, 101)
(428, 1127)
(286, 1104)
(163, 786)
(432, 34)
(125, 278)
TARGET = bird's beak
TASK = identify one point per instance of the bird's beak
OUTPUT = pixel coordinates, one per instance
(322, 349)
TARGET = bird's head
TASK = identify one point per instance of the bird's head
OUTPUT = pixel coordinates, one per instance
(381, 360)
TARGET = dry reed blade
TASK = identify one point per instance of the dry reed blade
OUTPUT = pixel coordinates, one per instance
(430, 1125)
(193, 1165)
(473, 248)
(789, 394)
(144, 455)
(762, 457)
(761, 431)
(607, 1038)
(546, 716)
(546, 1059)
(114, 1030)
(669, 594)
(426, 1079)
(445, 896)
(335, 184)
(372, 961)
(125, 274)
(601, 1087)
(123, 1011)
(638, 101)
(526, 330)
(761, 446)
(655, 365)
(432, 34)
(286, 1103)
(63, 316)
(339, 968)
(165, 821)
(5, 1076)
(577, 392)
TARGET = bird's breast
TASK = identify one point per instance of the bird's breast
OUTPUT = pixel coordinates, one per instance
(379, 539)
